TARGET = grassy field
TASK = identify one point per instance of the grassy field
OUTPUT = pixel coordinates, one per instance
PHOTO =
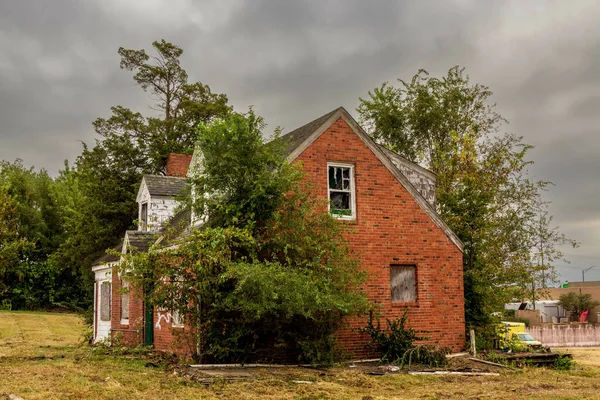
(41, 358)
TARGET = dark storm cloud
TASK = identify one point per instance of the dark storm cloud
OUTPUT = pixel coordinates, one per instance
(294, 61)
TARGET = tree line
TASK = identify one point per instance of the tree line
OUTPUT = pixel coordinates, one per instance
(51, 229)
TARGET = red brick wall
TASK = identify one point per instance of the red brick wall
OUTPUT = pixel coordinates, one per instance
(169, 339)
(131, 334)
(178, 164)
(391, 228)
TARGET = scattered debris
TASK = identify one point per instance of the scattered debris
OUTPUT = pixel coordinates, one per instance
(453, 373)
(457, 355)
(489, 363)
(371, 360)
(212, 366)
(536, 358)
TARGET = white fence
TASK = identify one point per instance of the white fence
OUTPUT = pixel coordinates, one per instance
(575, 335)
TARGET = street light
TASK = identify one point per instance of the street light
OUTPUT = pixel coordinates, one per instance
(583, 271)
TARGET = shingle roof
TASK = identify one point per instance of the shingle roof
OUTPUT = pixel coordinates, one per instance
(296, 137)
(107, 258)
(178, 223)
(140, 241)
(159, 185)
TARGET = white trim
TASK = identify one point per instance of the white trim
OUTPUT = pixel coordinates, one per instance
(107, 266)
(143, 184)
(143, 226)
(352, 191)
(125, 284)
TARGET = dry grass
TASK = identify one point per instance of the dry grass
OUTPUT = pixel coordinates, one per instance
(31, 333)
(77, 372)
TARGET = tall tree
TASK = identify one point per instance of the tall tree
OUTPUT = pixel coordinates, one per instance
(143, 143)
(32, 231)
(106, 176)
(484, 192)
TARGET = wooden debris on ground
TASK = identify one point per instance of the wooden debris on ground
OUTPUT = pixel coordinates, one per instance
(489, 363)
(453, 373)
(536, 358)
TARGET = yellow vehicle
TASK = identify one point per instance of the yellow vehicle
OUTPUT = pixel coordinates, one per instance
(515, 332)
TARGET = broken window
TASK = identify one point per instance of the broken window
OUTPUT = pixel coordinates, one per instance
(105, 301)
(125, 302)
(403, 283)
(144, 217)
(341, 190)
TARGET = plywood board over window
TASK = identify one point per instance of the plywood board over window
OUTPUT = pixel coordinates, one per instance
(403, 283)
(105, 301)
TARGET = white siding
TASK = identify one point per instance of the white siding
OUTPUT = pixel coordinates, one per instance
(160, 208)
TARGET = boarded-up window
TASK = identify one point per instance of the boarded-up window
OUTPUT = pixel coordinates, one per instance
(403, 283)
(105, 301)
(125, 301)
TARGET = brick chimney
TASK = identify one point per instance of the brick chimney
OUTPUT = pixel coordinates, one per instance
(178, 164)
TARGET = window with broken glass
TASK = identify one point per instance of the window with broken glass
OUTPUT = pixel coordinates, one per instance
(341, 190)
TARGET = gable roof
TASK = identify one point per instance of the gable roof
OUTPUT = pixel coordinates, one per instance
(296, 137)
(299, 139)
(138, 241)
(159, 185)
(108, 258)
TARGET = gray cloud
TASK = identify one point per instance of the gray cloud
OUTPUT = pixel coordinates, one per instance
(294, 61)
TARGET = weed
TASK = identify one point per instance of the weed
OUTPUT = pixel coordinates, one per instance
(432, 356)
(393, 342)
(564, 363)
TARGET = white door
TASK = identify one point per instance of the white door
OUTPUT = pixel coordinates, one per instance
(102, 306)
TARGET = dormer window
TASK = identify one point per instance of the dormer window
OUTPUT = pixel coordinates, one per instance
(342, 197)
(144, 217)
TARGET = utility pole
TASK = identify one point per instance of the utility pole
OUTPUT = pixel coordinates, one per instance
(583, 271)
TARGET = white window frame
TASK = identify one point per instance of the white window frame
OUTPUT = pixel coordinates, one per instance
(177, 320)
(125, 284)
(352, 191)
(144, 222)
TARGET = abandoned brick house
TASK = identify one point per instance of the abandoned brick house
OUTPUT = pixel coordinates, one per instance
(413, 258)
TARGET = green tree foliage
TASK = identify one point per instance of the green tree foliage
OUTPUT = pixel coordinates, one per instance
(576, 303)
(32, 230)
(484, 192)
(268, 276)
(102, 187)
(12, 247)
(143, 143)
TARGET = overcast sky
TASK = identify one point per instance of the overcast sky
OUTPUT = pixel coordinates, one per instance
(294, 61)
